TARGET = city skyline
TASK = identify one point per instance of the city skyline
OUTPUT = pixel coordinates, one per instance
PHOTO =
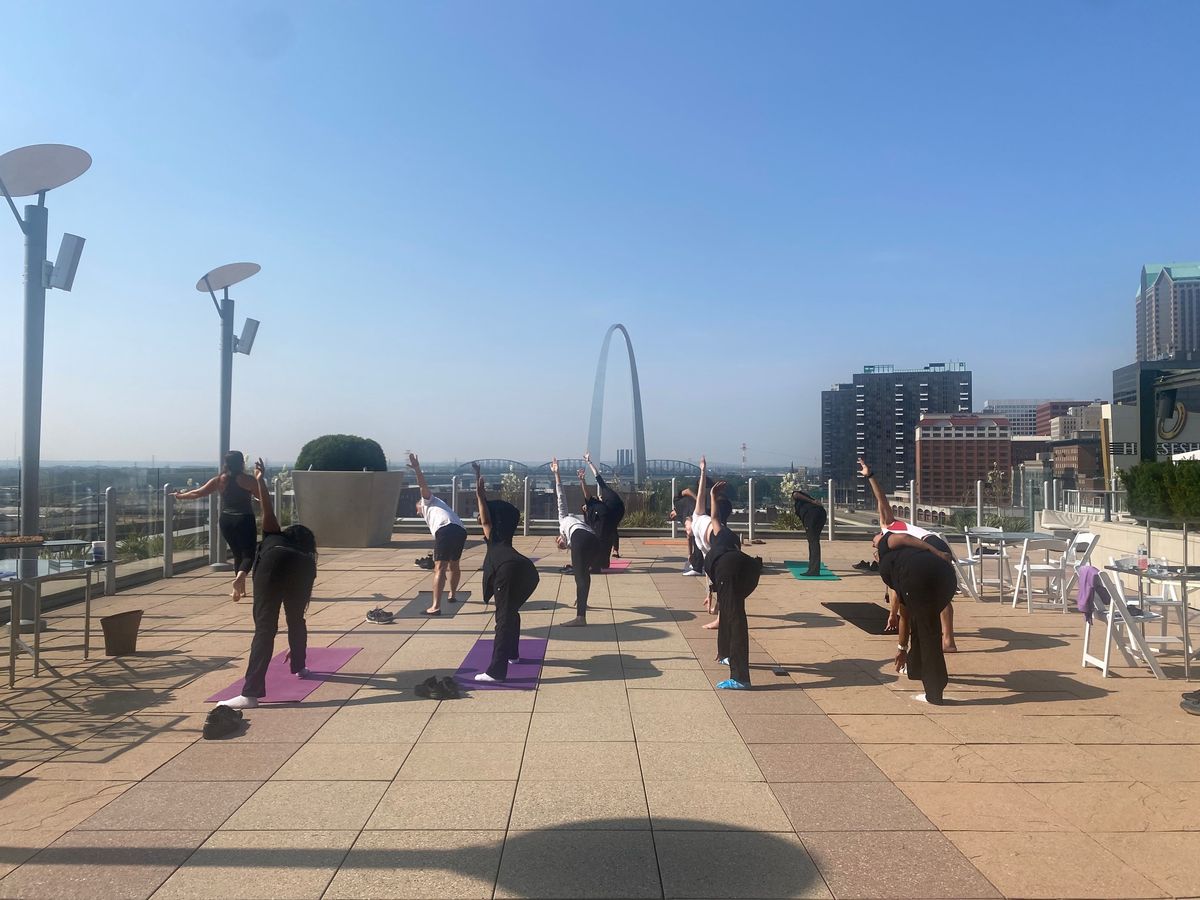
(723, 184)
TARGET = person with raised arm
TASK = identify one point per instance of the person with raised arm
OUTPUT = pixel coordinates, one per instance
(735, 576)
(681, 511)
(924, 580)
(237, 514)
(507, 575)
(577, 536)
(449, 538)
(889, 523)
(285, 568)
(614, 512)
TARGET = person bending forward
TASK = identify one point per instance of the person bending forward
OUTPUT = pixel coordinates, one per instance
(578, 536)
(449, 538)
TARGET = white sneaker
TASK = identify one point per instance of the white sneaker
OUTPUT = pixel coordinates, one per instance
(690, 571)
(920, 698)
(484, 676)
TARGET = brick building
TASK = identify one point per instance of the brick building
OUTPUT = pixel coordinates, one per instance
(955, 451)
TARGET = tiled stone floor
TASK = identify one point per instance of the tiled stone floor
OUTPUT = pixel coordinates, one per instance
(624, 775)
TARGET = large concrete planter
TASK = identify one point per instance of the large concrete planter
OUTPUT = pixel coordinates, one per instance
(348, 509)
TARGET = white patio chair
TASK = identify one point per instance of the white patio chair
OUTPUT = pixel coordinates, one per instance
(1118, 617)
(1053, 569)
(1079, 554)
(974, 561)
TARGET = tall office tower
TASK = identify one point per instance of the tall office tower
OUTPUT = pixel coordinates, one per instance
(1021, 414)
(887, 405)
(1048, 410)
(953, 452)
(1168, 311)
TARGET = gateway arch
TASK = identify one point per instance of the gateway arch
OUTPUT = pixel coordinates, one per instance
(594, 430)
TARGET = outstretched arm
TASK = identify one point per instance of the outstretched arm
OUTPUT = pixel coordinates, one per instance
(702, 489)
(587, 458)
(270, 524)
(717, 490)
(485, 520)
(203, 491)
(886, 516)
(583, 484)
(415, 465)
(558, 489)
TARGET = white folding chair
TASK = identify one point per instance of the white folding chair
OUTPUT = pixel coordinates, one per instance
(1117, 616)
(974, 561)
(1052, 569)
(1079, 554)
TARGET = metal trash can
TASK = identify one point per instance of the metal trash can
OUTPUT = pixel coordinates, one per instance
(120, 632)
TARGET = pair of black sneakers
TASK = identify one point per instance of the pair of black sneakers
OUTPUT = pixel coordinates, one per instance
(425, 562)
(1190, 703)
(222, 721)
(380, 616)
(434, 688)
(863, 566)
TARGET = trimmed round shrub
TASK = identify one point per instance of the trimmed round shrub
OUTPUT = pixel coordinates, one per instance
(341, 453)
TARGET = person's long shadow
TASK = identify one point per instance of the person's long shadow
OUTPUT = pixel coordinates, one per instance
(572, 859)
(1011, 639)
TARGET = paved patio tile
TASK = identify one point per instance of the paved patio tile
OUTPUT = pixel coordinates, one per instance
(1171, 860)
(934, 762)
(344, 762)
(308, 806)
(583, 803)
(895, 864)
(229, 760)
(97, 760)
(984, 807)
(671, 761)
(564, 865)
(449, 726)
(714, 806)
(569, 760)
(371, 724)
(164, 806)
(788, 729)
(418, 865)
(559, 727)
(1113, 806)
(798, 762)
(771, 700)
(260, 865)
(748, 865)
(1148, 762)
(1050, 865)
(102, 864)
(889, 729)
(457, 762)
(849, 806)
(457, 805)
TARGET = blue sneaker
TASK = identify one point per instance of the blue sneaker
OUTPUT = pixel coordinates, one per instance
(730, 685)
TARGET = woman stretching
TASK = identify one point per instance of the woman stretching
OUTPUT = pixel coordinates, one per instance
(735, 576)
(923, 578)
(237, 514)
(284, 572)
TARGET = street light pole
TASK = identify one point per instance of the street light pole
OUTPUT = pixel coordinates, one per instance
(226, 374)
(35, 227)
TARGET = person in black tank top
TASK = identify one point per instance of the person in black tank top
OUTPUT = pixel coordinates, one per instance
(237, 514)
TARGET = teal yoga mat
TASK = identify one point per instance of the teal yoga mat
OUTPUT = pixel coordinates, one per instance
(799, 568)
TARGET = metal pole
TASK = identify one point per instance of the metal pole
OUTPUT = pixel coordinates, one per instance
(216, 554)
(674, 523)
(110, 541)
(1057, 488)
(277, 495)
(525, 518)
(216, 558)
(832, 506)
(978, 504)
(912, 498)
(31, 416)
(750, 510)
(168, 532)
(454, 493)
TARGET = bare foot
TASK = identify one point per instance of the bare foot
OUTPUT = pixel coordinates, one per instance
(713, 624)
(949, 647)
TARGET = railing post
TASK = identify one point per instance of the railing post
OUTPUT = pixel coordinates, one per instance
(277, 495)
(525, 518)
(912, 498)
(1107, 506)
(168, 532)
(214, 531)
(454, 493)
(750, 510)
(674, 523)
(832, 508)
(110, 541)
(1055, 485)
(979, 504)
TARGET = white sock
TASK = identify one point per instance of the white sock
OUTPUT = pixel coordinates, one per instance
(240, 702)
(514, 661)
(920, 698)
(484, 676)
(303, 673)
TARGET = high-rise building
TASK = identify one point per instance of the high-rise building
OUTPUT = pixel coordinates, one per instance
(1021, 414)
(1048, 410)
(954, 451)
(885, 405)
(1168, 311)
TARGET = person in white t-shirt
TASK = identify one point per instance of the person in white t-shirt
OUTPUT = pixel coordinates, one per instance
(449, 538)
(575, 534)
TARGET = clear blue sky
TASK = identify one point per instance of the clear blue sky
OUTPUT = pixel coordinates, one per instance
(452, 201)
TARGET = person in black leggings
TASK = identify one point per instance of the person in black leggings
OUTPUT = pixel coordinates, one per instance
(614, 512)
(812, 514)
(924, 578)
(735, 576)
(507, 575)
(284, 571)
(237, 514)
(576, 534)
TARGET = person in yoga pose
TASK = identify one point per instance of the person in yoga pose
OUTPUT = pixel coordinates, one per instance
(889, 523)
(507, 575)
(579, 537)
(449, 538)
(237, 514)
(285, 568)
(609, 514)
(712, 508)
(735, 575)
(812, 515)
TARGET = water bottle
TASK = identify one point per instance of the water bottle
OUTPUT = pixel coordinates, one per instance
(1143, 557)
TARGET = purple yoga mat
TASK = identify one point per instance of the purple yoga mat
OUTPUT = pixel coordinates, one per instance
(522, 676)
(616, 565)
(283, 686)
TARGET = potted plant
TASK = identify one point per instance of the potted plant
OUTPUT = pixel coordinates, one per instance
(344, 491)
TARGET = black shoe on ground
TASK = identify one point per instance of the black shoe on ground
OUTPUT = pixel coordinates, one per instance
(222, 721)
(862, 565)
(432, 689)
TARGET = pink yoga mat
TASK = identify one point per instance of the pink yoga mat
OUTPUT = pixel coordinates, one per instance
(616, 565)
(283, 686)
